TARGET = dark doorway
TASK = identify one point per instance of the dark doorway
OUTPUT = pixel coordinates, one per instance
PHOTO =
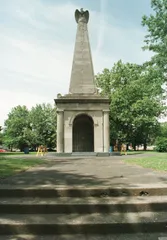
(83, 134)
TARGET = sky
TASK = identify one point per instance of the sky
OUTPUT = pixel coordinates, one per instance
(37, 40)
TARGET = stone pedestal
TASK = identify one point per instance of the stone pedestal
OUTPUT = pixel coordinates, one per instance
(68, 108)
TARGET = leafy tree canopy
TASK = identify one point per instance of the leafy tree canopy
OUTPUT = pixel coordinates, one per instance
(25, 128)
(136, 99)
(156, 39)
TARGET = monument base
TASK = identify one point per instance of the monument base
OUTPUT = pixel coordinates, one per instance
(84, 154)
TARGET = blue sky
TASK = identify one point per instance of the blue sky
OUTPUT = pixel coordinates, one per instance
(37, 41)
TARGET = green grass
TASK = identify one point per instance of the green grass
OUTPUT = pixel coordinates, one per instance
(11, 166)
(14, 153)
(133, 152)
(138, 152)
(156, 161)
(10, 153)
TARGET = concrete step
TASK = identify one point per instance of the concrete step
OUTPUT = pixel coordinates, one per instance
(52, 191)
(43, 210)
(115, 223)
(86, 154)
(83, 205)
(136, 236)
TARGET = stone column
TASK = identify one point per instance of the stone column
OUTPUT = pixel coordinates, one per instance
(106, 130)
(60, 131)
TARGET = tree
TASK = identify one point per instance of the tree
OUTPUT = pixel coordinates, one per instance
(16, 127)
(25, 128)
(136, 101)
(161, 138)
(163, 130)
(1, 135)
(43, 125)
(156, 39)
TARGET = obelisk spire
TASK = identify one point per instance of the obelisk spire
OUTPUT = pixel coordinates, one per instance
(82, 75)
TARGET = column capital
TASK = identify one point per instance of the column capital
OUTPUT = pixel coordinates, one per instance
(106, 110)
(60, 111)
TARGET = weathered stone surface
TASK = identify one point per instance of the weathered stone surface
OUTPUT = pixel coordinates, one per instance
(136, 236)
(82, 75)
(82, 99)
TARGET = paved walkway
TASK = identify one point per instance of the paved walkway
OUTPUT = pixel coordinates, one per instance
(88, 172)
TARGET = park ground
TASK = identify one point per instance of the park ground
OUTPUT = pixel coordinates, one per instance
(136, 167)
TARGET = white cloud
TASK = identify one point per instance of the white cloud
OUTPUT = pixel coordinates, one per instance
(37, 44)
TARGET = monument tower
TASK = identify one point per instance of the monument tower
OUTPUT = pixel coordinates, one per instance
(82, 114)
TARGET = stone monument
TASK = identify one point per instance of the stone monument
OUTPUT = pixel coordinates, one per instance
(82, 114)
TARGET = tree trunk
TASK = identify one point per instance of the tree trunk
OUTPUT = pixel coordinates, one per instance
(145, 146)
(134, 146)
(127, 147)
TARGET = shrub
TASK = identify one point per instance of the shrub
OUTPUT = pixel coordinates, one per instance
(161, 144)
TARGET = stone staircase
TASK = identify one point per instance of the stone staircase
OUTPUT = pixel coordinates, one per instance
(83, 213)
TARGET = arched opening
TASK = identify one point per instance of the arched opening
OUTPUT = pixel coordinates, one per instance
(83, 134)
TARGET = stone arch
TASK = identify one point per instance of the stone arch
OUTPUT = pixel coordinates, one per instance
(83, 133)
(77, 114)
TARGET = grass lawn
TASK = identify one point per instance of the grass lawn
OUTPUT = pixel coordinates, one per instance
(11, 166)
(14, 153)
(139, 152)
(156, 161)
(133, 152)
